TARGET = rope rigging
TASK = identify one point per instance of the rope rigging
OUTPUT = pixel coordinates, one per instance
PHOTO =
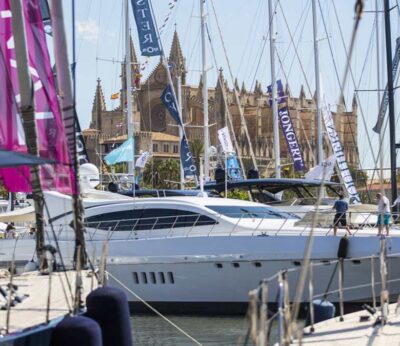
(241, 110)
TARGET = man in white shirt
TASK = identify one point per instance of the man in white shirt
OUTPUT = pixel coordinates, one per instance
(383, 213)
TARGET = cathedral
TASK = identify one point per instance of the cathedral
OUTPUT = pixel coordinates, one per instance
(155, 129)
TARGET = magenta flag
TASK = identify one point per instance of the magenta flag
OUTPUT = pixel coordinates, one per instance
(51, 135)
(11, 131)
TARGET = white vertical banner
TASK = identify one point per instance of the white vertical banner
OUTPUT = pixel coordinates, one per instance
(225, 140)
(142, 159)
(338, 151)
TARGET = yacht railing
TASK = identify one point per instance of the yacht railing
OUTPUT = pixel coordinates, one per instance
(261, 318)
(225, 224)
(209, 224)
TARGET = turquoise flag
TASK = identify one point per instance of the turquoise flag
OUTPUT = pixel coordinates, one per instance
(124, 153)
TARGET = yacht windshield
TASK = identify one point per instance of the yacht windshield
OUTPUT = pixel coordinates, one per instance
(251, 212)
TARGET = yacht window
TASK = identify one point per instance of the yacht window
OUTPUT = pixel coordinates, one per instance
(251, 212)
(171, 277)
(148, 219)
(162, 277)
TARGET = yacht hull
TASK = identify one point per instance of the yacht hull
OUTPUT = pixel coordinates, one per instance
(215, 274)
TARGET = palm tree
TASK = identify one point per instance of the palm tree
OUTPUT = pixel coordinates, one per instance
(170, 172)
(151, 173)
(197, 149)
(160, 173)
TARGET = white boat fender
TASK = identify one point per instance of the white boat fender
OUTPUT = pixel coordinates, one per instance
(30, 266)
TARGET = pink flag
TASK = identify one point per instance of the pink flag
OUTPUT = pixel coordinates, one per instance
(11, 131)
(51, 136)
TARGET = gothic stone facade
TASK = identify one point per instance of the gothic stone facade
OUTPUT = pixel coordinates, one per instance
(151, 117)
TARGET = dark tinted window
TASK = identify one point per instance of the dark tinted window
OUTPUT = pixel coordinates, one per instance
(145, 219)
(250, 212)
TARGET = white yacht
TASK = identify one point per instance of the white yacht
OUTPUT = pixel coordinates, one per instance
(199, 254)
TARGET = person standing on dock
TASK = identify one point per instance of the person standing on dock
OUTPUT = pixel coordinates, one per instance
(383, 213)
(341, 207)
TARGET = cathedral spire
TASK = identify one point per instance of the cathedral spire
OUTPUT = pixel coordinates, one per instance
(243, 89)
(287, 90)
(199, 95)
(99, 105)
(341, 107)
(302, 93)
(354, 104)
(258, 88)
(236, 84)
(176, 58)
(133, 53)
(220, 80)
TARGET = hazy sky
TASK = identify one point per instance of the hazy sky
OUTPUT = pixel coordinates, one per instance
(244, 26)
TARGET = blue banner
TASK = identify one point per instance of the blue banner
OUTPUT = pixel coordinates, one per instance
(291, 138)
(168, 100)
(148, 39)
(233, 168)
(189, 168)
(281, 94)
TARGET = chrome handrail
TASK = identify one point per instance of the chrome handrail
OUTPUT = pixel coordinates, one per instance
(233, 222)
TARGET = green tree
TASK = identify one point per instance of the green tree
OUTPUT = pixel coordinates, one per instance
(170, 173)
(238, 194)
(161, 174)
(151, 173)
(197, 149)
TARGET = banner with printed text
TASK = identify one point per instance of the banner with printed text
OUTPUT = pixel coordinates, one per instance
(148, 39)
(339, 153)
(168, 99)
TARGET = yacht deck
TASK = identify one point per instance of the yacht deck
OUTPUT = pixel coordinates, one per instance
(335, 333)
(32, 310)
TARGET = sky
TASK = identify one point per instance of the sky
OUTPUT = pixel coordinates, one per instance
(245, 32)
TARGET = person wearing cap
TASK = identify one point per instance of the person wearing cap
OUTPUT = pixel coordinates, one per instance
(383, 213)
(341, 207)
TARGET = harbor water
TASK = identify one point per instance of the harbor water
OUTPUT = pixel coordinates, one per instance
(208, 330)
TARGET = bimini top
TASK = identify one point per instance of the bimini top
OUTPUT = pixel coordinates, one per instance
(272, 185)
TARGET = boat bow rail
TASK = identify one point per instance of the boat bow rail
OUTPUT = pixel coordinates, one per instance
(261, 319)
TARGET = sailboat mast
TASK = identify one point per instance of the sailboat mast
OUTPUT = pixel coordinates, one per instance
(273, 91)
(28, 117)
(320, 152)
(128, 75)
(68, 112)
(392, 122)
(378, 78)
(205, 90)
(179, 86)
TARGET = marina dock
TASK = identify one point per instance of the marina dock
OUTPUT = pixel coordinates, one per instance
(36, 308)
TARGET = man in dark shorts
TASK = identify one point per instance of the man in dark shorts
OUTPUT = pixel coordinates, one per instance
(341, 207)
